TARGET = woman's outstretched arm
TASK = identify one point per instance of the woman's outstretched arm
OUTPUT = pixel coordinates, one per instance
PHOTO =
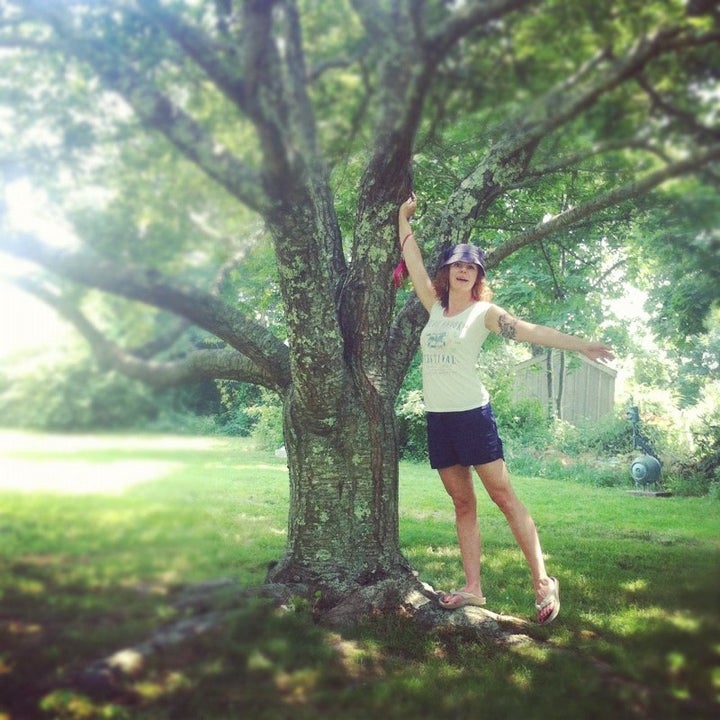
(503, 323)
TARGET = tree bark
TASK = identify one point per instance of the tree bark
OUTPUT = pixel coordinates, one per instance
(343, 525)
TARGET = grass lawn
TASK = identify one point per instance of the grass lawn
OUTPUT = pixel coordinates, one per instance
(99, 534)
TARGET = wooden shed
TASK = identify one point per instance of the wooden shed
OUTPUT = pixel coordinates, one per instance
(586, 389)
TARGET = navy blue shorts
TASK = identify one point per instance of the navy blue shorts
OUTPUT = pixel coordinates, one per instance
(463, 438)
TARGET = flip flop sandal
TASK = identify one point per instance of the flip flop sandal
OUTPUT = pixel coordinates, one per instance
(466, 599)
(551, 599)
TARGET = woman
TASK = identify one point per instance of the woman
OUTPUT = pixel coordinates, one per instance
(461, 428)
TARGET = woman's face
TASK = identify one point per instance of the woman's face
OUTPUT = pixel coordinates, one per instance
(463, 275)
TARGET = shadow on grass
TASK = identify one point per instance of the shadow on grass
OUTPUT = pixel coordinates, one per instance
(271, 666)
(83, 574)
(638, 652)
(640, 610)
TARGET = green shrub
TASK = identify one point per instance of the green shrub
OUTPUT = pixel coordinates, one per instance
(687, 483)
(268, 422)
(607, 436)
(74, 395)
(523, 460)
(181, 422)
(524, 422)
(698, 472)
(412, 432)
(235, 417)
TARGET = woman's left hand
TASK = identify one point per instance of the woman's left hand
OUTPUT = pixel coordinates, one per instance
(599, 352)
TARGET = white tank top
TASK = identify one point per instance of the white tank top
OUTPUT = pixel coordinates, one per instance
(450, 349)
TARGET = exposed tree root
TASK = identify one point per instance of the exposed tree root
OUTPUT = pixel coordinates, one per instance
(209, 607)
(206, 607)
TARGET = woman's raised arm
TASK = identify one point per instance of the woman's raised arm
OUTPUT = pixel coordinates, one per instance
(413, 257)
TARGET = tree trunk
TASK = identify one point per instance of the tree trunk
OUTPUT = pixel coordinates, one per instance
(560, 387)
(549, 382)
(343, 526)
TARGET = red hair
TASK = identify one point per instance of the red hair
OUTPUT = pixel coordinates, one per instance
(441, 284)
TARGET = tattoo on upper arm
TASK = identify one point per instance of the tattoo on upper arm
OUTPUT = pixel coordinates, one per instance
(508, 326)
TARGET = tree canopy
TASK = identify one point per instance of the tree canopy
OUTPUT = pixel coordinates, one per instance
(170, 133)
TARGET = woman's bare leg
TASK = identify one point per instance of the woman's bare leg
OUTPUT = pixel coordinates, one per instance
(496, 479)
(458, 483)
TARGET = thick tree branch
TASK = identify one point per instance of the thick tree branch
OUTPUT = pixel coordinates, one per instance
(301, 218)
(408, 62)
(572, 96)
(268, 353)
(162, 342)
(468, 17)
(403, 342)
(301, 111)
(507, 161)
(204, 51)
(196, 366)
(403, 339)
(266, 94)
(269, 119)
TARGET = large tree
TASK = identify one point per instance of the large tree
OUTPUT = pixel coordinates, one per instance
(310, 117)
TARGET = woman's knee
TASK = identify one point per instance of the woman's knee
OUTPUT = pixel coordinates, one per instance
(465, 504)
(504, 498)
(503, 495)
(496, 480)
